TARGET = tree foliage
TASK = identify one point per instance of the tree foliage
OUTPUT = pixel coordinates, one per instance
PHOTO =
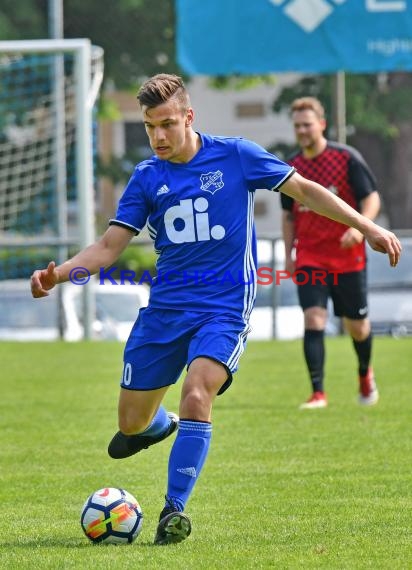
(25, 19)
(375, 103)
(240, 82)
(138, 36)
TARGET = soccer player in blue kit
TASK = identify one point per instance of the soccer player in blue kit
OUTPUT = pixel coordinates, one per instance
(196, 196)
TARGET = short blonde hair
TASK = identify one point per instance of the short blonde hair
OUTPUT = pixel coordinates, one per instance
(308, 104)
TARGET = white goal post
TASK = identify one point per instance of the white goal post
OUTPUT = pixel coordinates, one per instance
(36, 136)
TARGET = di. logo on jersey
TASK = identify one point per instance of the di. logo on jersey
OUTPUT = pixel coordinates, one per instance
(189, 222)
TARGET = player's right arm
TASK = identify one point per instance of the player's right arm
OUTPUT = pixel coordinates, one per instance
(100, 254)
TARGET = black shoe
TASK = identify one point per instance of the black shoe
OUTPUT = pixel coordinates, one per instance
(123, 446)
(174, 526)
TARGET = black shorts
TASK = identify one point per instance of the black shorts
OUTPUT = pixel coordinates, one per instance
(348, 291)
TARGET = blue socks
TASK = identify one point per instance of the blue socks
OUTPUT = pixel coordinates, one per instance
(159, 424)
(187, 455)
(186, 460)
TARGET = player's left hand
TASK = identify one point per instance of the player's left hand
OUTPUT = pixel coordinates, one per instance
(384, 241)
(350, 238)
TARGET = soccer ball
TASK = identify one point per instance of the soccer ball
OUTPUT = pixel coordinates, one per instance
(111, 516)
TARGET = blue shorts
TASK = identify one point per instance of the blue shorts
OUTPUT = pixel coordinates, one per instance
(163, 342)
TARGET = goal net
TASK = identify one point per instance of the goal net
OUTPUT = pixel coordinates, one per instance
(48, 92)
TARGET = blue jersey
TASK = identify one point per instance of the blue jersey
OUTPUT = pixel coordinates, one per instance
(200, 216)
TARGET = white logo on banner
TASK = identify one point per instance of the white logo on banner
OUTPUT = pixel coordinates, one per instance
(309, 14)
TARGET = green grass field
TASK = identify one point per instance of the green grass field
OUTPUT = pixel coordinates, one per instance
(281, 488)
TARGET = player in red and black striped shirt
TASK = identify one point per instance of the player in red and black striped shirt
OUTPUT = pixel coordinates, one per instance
(323, 244)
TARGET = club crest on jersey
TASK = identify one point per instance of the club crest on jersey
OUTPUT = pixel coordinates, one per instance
(212, 181)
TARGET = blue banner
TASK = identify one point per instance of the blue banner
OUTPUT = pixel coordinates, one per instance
(221, 37)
